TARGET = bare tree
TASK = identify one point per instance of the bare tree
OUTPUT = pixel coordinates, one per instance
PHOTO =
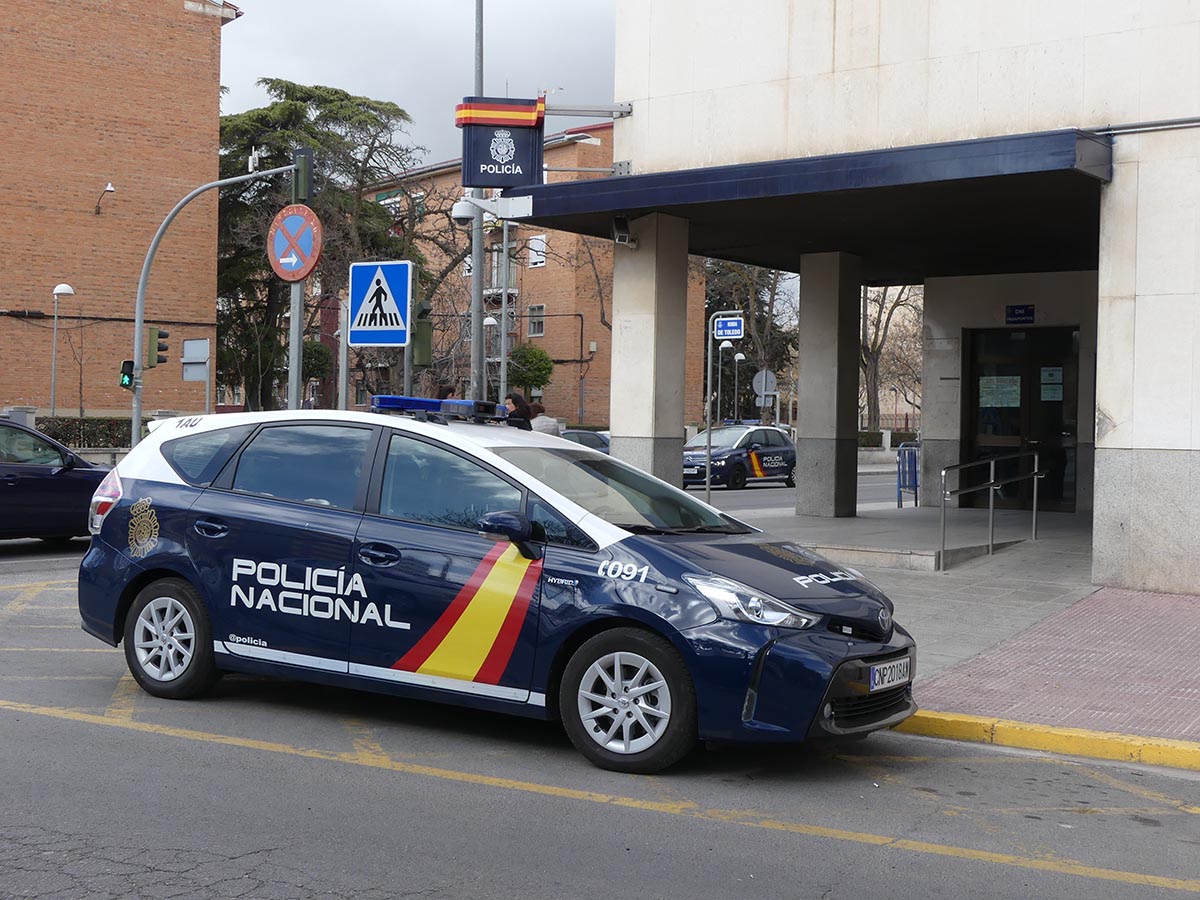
(880, 307)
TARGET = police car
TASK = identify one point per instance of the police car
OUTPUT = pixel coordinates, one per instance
(442, 558)
(741, 454)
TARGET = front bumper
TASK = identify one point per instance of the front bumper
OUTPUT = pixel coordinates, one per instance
(762, 685)
(720, 473)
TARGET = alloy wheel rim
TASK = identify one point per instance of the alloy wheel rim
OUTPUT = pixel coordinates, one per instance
(624, 703)
(164, 639)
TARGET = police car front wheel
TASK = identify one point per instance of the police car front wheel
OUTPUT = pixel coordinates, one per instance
(168, 641)
(628, 703)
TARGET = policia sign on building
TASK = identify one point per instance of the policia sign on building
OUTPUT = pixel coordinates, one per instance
(502, 141)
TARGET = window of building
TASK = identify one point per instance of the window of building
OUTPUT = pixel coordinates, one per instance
(496, 266)
(236, 391)
(466, 266)
(537, 321)
(291, 462)
(537, 251)
(360, 395)
(220, 396)
(426, 483)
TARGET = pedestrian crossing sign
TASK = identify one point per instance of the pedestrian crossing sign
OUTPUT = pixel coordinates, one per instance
(380, 300)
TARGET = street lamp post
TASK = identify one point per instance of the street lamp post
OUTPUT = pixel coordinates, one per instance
(721, 348)
(737, 401)
(63, 290)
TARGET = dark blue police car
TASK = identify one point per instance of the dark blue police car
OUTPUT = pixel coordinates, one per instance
(481, 565)
(741, 454)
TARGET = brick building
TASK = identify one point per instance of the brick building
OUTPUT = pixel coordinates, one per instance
(560, 290)
(125, 92)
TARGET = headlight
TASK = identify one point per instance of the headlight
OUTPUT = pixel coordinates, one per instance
(734, 600)
(718, 462)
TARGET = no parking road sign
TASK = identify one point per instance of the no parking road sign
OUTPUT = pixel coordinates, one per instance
(380, 299)
(294, 242)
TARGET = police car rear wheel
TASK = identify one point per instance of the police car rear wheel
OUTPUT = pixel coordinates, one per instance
(790, 481)
(168, 641)
(628, 703)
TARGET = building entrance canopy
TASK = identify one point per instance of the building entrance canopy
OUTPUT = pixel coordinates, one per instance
(1019, 203)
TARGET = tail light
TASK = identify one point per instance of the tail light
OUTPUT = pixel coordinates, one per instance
(104, 500)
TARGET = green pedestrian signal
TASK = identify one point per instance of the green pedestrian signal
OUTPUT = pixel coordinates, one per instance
(156, 347)
(127, 374)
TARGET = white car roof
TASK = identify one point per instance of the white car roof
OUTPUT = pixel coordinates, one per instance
(147, 463)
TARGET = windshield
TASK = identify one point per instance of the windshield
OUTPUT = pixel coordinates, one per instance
(618, 493)
(722, 439)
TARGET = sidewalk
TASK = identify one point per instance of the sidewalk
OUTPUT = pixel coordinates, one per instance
(1020, 648)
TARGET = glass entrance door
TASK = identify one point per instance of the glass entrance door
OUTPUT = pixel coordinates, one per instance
(1022, 393)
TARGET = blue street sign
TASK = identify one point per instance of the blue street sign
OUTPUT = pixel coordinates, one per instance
(1018, 315)
(380, 299)
(729, 328)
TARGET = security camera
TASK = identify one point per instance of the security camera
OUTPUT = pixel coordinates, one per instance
(462, 212)
(620, 233)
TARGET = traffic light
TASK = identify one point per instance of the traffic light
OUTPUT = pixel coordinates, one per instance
(302, 176)
(156, 347)
(420, 342)
(127, 374)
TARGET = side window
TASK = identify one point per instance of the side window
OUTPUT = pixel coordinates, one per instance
(775, 438)
(759, 436)
(318, 464)
(26, 449)
(555, 529)
(426, 483)
(198, 458)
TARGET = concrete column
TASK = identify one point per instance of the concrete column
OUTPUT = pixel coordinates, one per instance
(827, 437)
(648, 347)
(1146, 519)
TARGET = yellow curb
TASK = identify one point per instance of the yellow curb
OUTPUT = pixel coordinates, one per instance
(1069, 741)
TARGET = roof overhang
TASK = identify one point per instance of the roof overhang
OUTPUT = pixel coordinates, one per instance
(1017, 203)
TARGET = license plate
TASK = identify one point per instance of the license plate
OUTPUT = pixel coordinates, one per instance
(890, 674)
(691, 470)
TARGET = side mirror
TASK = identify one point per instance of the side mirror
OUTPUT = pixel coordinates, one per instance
(69, 462)
(510, 526)
(756, 446)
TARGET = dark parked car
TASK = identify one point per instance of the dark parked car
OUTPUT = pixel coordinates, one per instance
(595, 440)
(45, 488)
(741, 454)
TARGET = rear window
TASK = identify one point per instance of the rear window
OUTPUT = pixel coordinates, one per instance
(199, 458)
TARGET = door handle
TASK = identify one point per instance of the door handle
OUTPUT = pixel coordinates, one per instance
(382, 555)
(210, 528)
(11, 479)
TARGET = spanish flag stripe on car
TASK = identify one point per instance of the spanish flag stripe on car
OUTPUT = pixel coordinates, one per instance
(502, 650)
(474, 638)
(414, 658)
(756, 465)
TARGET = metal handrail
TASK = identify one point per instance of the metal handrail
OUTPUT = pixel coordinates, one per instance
(990, 486)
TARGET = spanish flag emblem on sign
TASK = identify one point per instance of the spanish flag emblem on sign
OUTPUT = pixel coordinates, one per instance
(495, 111)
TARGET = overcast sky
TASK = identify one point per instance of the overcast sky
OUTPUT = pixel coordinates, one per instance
(421, 55)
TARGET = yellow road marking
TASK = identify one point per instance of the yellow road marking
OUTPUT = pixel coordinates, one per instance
(368, 756)
(6, 677)
(59, 650)
(121, 704)
(36, 584)
(1139, 791)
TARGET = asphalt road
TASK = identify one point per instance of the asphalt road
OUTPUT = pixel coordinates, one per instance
(278, 789)
(876, 490)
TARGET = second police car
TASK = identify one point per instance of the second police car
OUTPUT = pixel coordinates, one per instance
(741, 454)
(483, 566)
